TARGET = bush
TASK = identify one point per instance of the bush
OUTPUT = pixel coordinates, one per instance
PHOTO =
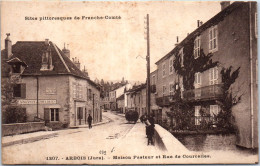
(14, 114)
(132, 116)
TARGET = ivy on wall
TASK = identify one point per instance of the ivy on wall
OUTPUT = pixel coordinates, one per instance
(183, 111)
(192, 65)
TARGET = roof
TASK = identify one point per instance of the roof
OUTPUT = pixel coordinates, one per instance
(213, 21)
(122, 97)
(137, 88)
(119, 85)
(30, 53)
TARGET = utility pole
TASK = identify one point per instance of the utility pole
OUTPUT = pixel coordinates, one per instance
(148, 90)
(93, 107)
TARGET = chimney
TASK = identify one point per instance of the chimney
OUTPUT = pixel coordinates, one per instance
(177, 38)
(8, 46)
(66, 51)
(46, 41)
(201, 23)
(224, 4)
(198, 23)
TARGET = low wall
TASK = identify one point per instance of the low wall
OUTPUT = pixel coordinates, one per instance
(19, 128)
(165, 141)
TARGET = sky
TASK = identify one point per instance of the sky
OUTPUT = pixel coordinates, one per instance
(108, 48)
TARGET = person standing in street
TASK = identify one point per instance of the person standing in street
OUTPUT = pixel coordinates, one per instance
(89, 121)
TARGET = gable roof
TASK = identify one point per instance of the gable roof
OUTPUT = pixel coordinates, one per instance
(30, 53)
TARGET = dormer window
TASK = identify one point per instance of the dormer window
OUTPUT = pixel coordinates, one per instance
(47, 60)
(17, 65)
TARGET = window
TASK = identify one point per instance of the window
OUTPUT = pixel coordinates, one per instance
(181, 57)
(74, 90)
(171, 88)
(171, 65)
(19, 90)
(16, 68)
(89, 94)
(164, 71)
(54, 114)
(213, 41)
(197, 115)
(197, 81)
(153, 80)
(196, 50)
(164, 89)
(214, 110)
(213, 76)
(79, 91)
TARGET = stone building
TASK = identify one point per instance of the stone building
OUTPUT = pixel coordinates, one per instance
(49, 85)
(219, 54)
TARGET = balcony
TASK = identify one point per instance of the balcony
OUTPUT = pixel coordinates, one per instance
(211, 92)
(165, 100)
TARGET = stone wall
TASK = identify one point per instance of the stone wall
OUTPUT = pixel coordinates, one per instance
(19, 128)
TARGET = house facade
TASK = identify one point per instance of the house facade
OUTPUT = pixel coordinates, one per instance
(214, 68)
(48, 85)
(115, 93)
(136, 99)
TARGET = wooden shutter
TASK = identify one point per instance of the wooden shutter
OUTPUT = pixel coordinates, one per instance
(23, 90)
(47, 114)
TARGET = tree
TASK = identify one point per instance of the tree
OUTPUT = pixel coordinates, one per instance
(11, 112)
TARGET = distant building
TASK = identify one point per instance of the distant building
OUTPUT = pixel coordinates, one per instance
(49, 85)
(121, 103)
(115, 93)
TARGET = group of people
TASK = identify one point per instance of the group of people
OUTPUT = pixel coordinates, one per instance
(149, 122)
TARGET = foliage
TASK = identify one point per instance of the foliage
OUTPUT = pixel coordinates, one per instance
(6, 92)
(14, 114)
(225, 117)
(132, 116)
(182, 111)
(192, 65)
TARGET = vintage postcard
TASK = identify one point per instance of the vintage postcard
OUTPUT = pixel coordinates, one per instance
(147, 82)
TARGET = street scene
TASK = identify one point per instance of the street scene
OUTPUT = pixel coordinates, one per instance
(136, 85)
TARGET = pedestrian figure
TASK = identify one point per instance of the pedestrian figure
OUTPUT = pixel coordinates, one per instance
(151, 119)
(89, 121)
(143, 118)
(150, 133)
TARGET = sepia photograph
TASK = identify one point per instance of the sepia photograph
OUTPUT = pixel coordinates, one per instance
(129, 82)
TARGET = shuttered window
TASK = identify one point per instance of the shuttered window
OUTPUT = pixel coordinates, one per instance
(214, 110)
(181, 57)
(196, 50)
(171, 65)
(213, 39)
(164, 71)
(197, 79)
(197, 115)
(213, 76)
(19, 90)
